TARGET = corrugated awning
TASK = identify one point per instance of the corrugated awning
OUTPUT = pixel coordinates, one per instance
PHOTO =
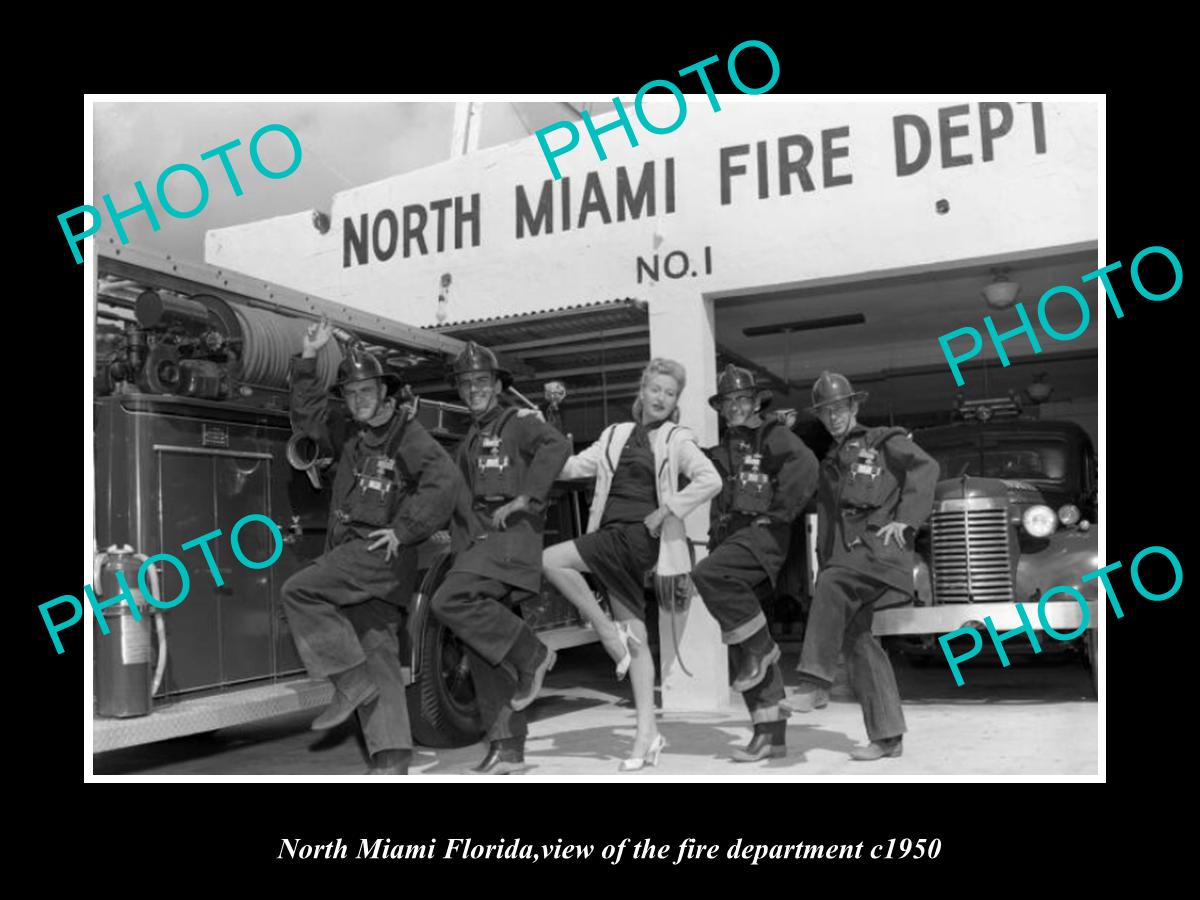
(597, 349)
(533, 325)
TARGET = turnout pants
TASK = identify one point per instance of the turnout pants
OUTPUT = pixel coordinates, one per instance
(729, 581)
(344, 629)
(842, 611)
(476, 609)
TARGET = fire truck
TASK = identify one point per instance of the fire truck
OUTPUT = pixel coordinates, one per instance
(1014, 515)
(191, 434)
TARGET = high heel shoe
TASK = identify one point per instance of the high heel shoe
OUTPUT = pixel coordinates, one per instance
(627, 637)
(650, 759)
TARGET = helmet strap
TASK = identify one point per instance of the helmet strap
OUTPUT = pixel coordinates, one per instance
(384, 414)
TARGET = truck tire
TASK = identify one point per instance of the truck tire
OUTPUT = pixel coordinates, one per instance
(441, 699)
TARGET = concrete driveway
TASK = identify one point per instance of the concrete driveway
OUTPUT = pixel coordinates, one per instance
(1038, 717)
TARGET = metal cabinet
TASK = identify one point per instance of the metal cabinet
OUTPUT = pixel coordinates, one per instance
(172, 473)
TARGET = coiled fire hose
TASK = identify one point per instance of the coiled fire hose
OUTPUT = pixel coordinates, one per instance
(270, 340)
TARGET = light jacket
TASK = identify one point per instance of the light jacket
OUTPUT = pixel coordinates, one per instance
(675, 453)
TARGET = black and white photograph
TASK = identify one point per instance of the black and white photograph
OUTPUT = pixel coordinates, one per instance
(706, 434)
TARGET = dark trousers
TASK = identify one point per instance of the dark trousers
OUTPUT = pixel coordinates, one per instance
(729, 581)
(767, 693)
(345, 630)
(726, 580)
(842, 611)
(475, 608)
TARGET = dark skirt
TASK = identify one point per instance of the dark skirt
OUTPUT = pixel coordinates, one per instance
(619, 555)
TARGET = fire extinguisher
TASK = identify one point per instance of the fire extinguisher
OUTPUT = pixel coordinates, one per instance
(122, 659)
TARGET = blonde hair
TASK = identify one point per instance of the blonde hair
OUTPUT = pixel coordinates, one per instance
(661, 366)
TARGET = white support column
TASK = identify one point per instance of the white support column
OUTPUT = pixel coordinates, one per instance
(681, 328)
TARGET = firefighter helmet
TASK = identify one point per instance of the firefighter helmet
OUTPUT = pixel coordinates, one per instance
(478, 359)
(734, 379)
(832, 387)
(359, 365)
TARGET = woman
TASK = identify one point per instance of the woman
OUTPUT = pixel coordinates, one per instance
(637, 466)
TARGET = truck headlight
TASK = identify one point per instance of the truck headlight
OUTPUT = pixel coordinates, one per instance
(1040, 521)
(1068, 514)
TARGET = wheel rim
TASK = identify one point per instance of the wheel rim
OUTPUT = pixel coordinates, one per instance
(455, 674)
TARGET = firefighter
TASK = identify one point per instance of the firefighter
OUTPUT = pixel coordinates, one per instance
(394, 487)
(509, 463)
(876, 491)
(555, 393)
(770, 475)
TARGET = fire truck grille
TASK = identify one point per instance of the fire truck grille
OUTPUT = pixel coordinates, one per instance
(971, 556)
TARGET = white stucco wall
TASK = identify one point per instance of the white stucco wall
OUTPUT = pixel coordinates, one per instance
(1019, 200)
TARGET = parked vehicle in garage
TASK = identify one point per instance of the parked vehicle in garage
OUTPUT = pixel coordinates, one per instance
(1014, 515)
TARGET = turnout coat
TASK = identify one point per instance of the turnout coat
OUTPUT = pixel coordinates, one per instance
(872, 477)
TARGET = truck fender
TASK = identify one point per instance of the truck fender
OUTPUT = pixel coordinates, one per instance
(419, 609)
(1070, 555)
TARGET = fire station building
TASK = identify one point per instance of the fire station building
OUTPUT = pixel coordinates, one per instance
(790, 237)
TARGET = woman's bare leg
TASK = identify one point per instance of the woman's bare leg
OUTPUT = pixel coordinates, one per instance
(641, 677)
(562, 565)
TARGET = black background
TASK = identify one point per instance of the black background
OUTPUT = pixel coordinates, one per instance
(1149, 463)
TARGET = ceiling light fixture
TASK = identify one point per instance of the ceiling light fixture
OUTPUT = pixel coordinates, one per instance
(1001, 293)
(1041, 389)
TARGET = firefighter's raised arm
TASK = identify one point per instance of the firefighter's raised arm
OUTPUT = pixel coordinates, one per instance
(310, 410)
(315, 337)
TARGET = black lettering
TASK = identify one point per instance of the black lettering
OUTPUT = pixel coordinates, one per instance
(988, 134)
(829, 153)
(947, 133)
(440, 206)
(683, 268)
(628, 201)
(526, 219)
(417, 211)
(393, 232)
(761, 152)
(643, 265)
(728, 170)
(1039, 128)
(799, 167)
(670, 179)
(903, 166)
(355, 239)
(566, 203)
(460, 217)
(593, 200)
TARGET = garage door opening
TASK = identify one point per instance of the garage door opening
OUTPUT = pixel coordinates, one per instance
(882, 331)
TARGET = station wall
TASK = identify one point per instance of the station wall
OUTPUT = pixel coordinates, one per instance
(764, 193)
